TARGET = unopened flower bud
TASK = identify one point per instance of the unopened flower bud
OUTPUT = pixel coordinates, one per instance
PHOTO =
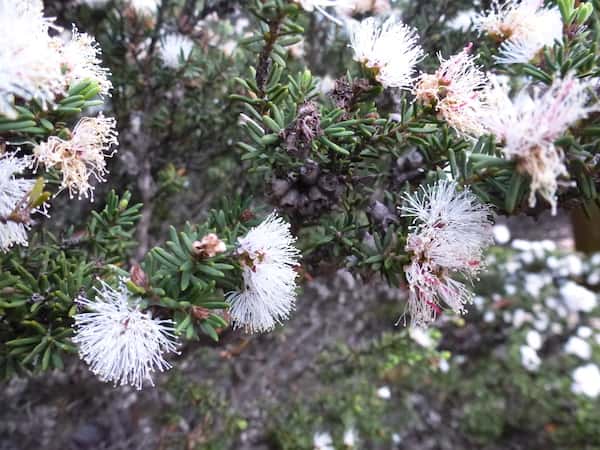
(209, 246)
(139, 277)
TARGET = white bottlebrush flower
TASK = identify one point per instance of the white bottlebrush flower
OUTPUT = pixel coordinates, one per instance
(80, 60)
(29, 62)
(449, 233)
(82, 157)
(456, 91)
(121, 343)
(529, 358)
(389, 49)
(364, 7)
(529, 124)
(523, 27)
(173, 47)
(268, 259)
(13, 199)
(586, 381)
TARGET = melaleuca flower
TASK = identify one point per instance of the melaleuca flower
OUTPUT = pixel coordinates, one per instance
(389, 49)
(456, 91)
(529, 124)
(29, 63)
(268, 258)
(121, 343)
(80, 61)
(173, 47)
(364, 7)
(523, 27)
(82, 157)
(14, 194)
(449, 232)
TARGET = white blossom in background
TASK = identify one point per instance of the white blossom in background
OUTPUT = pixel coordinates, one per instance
(586, 381)
(524, 28)
(13, 195)
(529, 358)
(384, 393)
(320, 5)
(534, 340)
(145, 7)
(80, 60)
(457, 92)
(173, 47)
(82, 157)
(578, 347)
(450, 230)
(121, 343)
(29, 63)
(501, 234)
(93, 3)
(350, 438)
(528, 125)
(578, 298)
(364, 7)
(390, 49)
(268, 258)
(323, 441)
(463, 20)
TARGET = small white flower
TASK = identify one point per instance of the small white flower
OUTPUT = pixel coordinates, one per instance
(80, 60)
(421, 337)
(449, 233)
(384, 393)
(352, 7)
(501, 234)
(578, 298)
(584, 332)
(578, 347)
(14, 194)
(121, 343)
(390, 49)
(586, 381)
(350, 438)
(534, 340)
(268, 259)
(322, 441)
(29, 63)
(524, 28)
(173, 47)
(82, 157)
(529, 358)
(456, 91)
(521, 317)
(463, 20)
(529, 125)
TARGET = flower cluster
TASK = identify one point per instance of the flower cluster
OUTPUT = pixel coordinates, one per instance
(523, 27)
(82, 157)
(456, 91)
(268, 259)
(529, 124)
(173, 47)
(122, 343)
(389, 49)
(449, 233)
(35, 65)
(14, 200)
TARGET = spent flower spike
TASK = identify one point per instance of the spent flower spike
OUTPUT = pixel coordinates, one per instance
(450, 230)
(82, 157)
(120, 342)
(389, 49)
(268, 258)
